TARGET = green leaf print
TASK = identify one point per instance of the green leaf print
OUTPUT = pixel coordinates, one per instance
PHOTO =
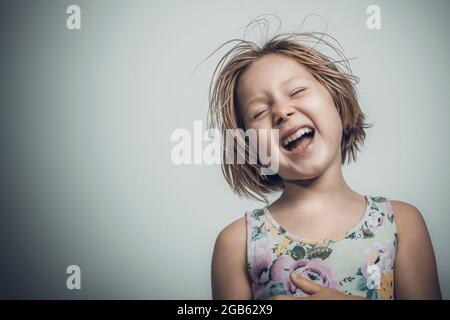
(257, 234)
(346, 280)
(379, 199)
(312, 277)
(257, 214)
(395, 240)
(298, 252)
(351, 235)
(319, 252)
(372, 294)
(391, 218)
(359, 272)
(276, 289)
(362, 284)
(367, 233)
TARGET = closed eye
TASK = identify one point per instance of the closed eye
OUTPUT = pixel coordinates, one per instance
(260, 113)
(298, 91)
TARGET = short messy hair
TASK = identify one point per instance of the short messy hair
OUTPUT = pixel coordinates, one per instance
(334, 74)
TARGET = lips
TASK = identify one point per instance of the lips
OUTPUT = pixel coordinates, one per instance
(299, 136)
(293, 130)
(301, 146)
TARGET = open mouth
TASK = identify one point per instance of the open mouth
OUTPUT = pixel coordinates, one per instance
(299, 140)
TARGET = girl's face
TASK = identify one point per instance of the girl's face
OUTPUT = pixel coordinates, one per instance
(277, 92)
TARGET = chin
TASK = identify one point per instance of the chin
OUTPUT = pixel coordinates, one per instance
(300, 173)
(305, 169)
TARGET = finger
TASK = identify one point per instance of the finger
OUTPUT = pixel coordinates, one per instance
(304, 284)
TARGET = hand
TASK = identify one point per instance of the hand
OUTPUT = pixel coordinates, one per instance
(315, 291)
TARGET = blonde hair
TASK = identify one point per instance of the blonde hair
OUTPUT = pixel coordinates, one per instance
(334, 75)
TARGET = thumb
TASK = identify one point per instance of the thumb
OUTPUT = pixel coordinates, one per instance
(304, 284)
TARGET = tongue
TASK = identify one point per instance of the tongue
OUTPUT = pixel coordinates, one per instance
(300, 145)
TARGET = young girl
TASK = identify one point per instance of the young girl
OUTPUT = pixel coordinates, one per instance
(320, 239)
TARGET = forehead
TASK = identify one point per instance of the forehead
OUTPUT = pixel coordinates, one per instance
(268, 72)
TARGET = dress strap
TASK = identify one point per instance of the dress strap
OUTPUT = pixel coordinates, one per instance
(250, 244)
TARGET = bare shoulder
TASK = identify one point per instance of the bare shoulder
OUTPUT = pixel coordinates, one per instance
(229, 263)
(415, 263)
(407, 216)
(412, 230)
(233, 236)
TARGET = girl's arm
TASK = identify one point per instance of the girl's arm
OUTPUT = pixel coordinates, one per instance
(229, 276)
(415, 265)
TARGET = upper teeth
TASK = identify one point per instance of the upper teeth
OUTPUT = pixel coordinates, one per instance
(297, 134)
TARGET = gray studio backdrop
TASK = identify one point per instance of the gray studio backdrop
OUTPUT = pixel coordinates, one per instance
(86, 117)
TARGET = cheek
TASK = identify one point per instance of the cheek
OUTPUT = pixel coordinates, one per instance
(268, 140)
(332, 124)
(335, 125)
(266, 145)
(327, 119)
(261, 131)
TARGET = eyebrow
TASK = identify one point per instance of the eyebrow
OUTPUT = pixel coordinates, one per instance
(262, 97)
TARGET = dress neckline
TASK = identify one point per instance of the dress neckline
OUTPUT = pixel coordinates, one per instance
(298, 238)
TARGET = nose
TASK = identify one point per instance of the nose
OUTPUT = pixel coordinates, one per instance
(282, 112)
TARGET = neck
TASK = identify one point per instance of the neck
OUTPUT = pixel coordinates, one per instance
(329, 187)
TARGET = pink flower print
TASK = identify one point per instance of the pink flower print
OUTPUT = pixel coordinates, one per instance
(280, 269)
(262, 261)
(314, 270)
(259, 291)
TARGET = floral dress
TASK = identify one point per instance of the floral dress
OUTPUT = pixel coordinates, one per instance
(360, 262)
